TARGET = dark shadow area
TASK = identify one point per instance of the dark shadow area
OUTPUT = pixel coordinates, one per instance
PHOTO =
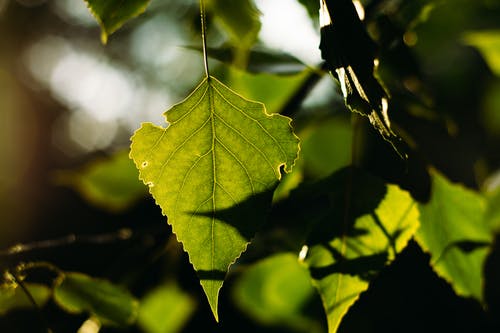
(491, 283)
(408, 296)
(330, 208)
(247, 216)
(213, 275)
(365, 267)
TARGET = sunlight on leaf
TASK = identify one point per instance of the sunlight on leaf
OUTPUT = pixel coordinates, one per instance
(13, 297)
(454, 231)
(212, 171)
(359, 224)
(166, 309)
(78, 293)
(488, 43)
(112, 14)
(109, 183)
(276, 291)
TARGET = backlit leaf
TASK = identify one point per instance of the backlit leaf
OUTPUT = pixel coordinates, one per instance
(212, 171)
(457, 236)
(359, 224)
(112, 304)
(112, 14)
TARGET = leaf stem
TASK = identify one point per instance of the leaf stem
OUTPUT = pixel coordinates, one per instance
(204, 37)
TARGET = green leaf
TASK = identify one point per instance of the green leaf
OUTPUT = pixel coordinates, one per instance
(454, 231)
(109, 183)
(212, 171)
(112, 304)
(240, 19)
(320, 159)
(358, 226)
(165, 309)
(493, 210)
(260, 60)
(13, 297)
(276, 291)
(488, 43)
(272, 90)
(112, 14)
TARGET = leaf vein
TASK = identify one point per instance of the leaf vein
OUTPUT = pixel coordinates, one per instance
(253, 119)
(249, 142)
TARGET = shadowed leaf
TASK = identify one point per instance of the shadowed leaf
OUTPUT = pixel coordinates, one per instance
(357, 225)
(350, 54)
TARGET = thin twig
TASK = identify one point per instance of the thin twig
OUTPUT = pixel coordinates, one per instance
(204, 37)
(123, 234)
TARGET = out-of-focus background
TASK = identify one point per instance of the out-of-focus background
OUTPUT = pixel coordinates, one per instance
(67, 101)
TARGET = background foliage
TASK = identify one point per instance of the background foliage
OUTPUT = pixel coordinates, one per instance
(96, 253)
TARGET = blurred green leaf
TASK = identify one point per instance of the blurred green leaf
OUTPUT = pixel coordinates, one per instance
(166, 309)
(13, 297)
(326, 147)
(112, 14)
(212, 171)
(493, 210)
(260, 60)
(276, 291)
(358, 225)
(490, 115)
(77, 293)
(454, 231)
(109, 183)
(488, 43)
(272, 90)
(240, 19)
